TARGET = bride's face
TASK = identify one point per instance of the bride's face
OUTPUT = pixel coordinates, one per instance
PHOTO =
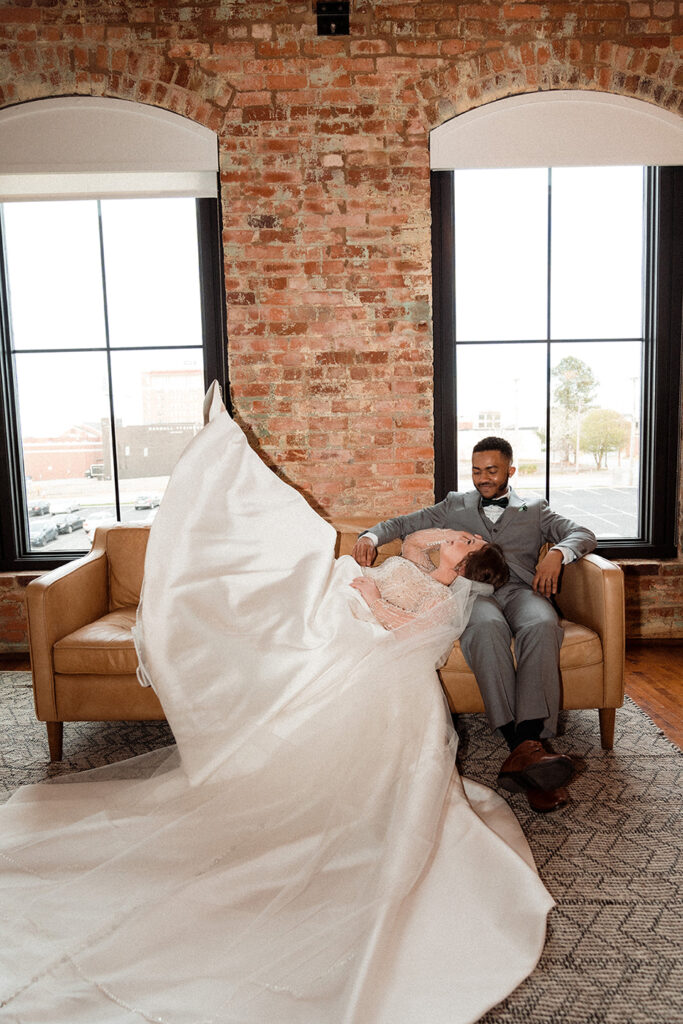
(458, 546)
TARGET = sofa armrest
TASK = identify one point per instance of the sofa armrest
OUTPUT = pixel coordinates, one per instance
(347, 532)
(58, 603)
(592, 594)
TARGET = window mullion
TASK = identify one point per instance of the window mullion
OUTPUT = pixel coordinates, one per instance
(212, 295)
(548, 300)
(443, 292)
(662, 350)
(110, 383)
(14, 537)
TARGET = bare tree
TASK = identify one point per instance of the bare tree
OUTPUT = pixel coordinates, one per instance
(574, 392)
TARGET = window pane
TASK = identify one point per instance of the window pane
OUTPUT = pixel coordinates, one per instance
(501, 390)
(596, 406)
(158, 410)
(54, 274)
(152, 271)
(597, 247)
(64, 431)
(501, 242)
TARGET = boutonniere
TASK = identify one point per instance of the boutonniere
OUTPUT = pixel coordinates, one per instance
(523, 508)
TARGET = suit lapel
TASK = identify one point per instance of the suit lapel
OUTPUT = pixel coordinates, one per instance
(474, 508)
(515, 505)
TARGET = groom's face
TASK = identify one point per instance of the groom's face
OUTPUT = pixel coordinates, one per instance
(491, 472)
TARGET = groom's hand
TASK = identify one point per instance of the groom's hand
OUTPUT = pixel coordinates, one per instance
(364, 551)
(548, 574)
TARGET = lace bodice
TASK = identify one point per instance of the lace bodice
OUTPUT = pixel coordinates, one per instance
(406, 589)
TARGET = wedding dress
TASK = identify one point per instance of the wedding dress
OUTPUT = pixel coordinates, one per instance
(306, 853)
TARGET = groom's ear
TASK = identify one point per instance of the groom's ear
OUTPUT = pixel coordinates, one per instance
(512, 470)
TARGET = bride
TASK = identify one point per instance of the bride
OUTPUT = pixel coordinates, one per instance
(306, 853)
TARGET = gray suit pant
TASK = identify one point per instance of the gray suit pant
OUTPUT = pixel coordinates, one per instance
(532, 690)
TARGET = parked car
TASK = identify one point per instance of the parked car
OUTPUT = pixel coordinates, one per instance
(147, 501)
(69, 522)
(60, 508)
(39, 507)
(107, 517)
(41, 534)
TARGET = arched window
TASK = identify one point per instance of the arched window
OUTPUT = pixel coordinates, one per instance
(112, 314)
(557, 221)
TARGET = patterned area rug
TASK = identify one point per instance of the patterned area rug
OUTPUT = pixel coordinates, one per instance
(612, 859)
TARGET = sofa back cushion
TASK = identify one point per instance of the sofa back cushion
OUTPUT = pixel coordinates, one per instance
(126, 547)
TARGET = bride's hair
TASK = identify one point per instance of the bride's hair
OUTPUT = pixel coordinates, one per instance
(487, 565)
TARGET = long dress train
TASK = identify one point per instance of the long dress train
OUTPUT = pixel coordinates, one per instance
(306, 853)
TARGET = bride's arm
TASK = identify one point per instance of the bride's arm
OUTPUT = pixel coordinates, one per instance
(417, 545)
(387, 614)
(390, 615)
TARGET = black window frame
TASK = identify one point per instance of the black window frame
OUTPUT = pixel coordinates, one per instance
(13, 516)
(663, 316)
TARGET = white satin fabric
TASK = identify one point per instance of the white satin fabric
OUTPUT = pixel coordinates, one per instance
(307, 854)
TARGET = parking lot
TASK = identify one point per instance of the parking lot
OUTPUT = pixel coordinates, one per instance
(610, 512)
(78, 539)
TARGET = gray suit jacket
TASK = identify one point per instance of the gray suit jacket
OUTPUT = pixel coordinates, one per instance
(525, 525)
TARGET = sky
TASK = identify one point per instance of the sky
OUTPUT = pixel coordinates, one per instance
(503, 265)
(152, 299)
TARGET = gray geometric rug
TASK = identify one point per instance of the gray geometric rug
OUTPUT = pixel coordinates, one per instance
(612, 859)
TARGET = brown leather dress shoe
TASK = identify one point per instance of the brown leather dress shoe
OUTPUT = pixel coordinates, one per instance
(531, 766)
(544, 800)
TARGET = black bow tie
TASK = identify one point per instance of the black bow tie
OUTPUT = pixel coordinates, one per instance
(500, 502)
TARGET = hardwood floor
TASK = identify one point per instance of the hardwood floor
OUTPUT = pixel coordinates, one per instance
(654, 680)
(14, 663)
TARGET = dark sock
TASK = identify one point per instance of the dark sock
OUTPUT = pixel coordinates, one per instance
(508, 731)
(529, 730)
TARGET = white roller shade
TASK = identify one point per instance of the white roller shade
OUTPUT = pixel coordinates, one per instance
(564, 128)
(82, 147)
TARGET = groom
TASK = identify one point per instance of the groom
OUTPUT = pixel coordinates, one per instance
(522, 702)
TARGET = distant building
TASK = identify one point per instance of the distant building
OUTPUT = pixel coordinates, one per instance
(145, 450)
(68, 456)
(489, 420)
(172, 396)
(527, 443)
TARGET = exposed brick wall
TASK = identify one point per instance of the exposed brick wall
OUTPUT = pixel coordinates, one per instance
(13, 628)
(325, 184)
(654, 599)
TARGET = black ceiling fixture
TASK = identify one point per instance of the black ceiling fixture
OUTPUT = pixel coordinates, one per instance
(333, 18)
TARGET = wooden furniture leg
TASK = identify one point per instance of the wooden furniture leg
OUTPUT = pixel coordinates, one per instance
(55, 734)
(607, 717)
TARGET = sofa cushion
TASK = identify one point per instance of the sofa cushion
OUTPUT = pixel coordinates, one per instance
(103, 647)
(580, 647)
(126, 547)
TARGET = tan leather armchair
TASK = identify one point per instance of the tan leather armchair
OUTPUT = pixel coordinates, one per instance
(83, 658)
(80, 618)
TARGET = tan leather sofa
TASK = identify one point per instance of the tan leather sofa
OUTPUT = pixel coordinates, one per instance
(83, 659)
